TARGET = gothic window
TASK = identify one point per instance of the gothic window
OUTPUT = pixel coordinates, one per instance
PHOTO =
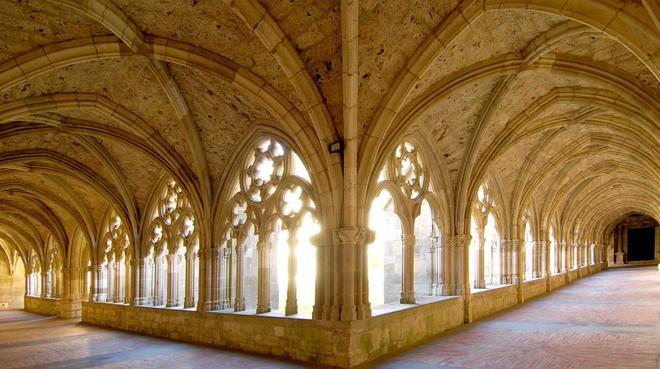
(34, 274)
(489, 253)
(53, 283)
(266, 260)
(404, 260)
(171, 262)
(492, 259)
(554, 253)
(114, 261)
(529, 249)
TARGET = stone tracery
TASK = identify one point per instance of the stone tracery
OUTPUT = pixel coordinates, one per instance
(261, 241)
(538, 122)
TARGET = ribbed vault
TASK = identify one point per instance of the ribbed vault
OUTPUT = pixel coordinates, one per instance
(555, 101)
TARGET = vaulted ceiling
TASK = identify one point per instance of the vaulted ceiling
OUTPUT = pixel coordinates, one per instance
(99, 98)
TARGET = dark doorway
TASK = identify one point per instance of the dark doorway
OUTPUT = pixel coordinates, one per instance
(641, 244)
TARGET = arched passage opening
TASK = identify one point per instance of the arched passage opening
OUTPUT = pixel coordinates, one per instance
(636, 240)
(385, 253)
(12, 278)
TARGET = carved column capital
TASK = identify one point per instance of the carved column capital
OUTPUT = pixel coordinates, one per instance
(513, 244)
(457, 240)
(352, 235)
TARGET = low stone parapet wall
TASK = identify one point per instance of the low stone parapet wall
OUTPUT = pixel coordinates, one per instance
(557, 281)
(41, 305)
(334, 343)
(329, 343)
(534, 287)
(488, 302)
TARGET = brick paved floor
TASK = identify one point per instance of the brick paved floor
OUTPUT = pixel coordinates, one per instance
(608, 320)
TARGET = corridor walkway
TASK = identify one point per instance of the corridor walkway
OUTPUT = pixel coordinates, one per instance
(608, 320)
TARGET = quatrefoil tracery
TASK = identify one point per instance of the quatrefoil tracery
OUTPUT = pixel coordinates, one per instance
(268, 189)
(264, 171)
(174, 221)
(406, 170)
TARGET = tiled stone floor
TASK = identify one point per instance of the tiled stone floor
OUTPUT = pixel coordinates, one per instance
(608, 320)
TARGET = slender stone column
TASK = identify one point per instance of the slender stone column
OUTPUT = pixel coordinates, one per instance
(141, 281)
(172, 290)
(480, 275)
(226, 270)
(94, 285)
(239, 298)
(539, 271)
(213, 269)
(558, 258)
(189, 299)
(435, 262)
(292, 291)
(117, 296)
(517, 272)
(580, 259)
(128, 281)
(504, 264)
(408, 275)
(44, 285)
(544, 259)
(263, 277)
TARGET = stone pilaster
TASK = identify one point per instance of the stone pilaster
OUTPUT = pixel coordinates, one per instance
(349, 247)
(323, 301)
(447, 279)
(459, 246)
(140, 298)
(70, 304)
(213, 281)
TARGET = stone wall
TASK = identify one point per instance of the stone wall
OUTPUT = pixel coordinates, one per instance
(40, 305)
(533, 288)
(557, 281)
(12, 286)
(323, 342)
(391, 332)
(490, 301)
(333, 343)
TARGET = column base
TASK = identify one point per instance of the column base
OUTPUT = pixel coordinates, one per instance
(239, 305)
(480, 284)
(408, 298)
(291, 308)
(212, 305)
(448, 289)
(364, 311)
